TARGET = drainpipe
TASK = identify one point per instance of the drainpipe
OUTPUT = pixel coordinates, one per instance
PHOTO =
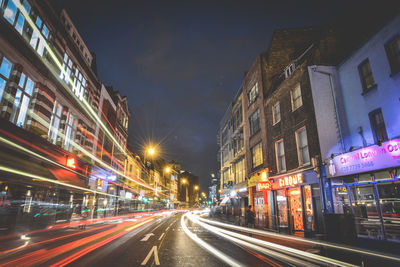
(314, 69)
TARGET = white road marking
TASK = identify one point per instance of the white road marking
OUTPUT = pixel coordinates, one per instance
(146, 237)
(157, 261)
(161, 236)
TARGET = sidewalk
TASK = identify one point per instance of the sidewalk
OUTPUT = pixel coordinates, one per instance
(361, 243)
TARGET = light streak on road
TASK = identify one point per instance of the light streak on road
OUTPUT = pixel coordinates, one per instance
(304, 240)
(274, 250)
(225, 258)
(85, 244)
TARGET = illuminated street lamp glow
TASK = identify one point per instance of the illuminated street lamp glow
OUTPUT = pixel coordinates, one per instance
(151, 151)
(196, 187)
(183, 181)
(167, 169)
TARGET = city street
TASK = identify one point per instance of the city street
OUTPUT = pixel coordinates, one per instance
(150, 239)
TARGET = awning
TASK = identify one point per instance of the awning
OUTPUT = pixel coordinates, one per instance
(67, 176)
(223, 202)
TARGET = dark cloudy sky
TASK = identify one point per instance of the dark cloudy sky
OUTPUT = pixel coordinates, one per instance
(181, 62)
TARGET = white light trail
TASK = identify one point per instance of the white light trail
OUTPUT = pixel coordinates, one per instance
(225, 258)
(278, 249)
(301, 240)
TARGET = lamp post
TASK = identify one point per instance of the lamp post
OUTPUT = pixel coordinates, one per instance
(196, 188)
(184, 181)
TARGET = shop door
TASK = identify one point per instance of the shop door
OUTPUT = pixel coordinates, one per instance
(295, 209)
(259, 208)
(282, 206)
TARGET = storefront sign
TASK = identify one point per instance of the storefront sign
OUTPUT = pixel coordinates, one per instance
(289, 181)
(264, 186)
(366, 159)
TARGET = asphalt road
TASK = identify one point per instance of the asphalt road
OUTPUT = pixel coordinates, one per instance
(150, 240)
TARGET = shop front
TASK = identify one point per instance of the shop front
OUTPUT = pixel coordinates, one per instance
(366, 184)
(258, 198)
(296, 202)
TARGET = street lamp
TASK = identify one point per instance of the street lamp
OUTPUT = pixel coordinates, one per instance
(185, 182)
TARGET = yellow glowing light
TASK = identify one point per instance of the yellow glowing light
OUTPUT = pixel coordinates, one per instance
(151, 151)
(183, 181)
(196, 187)
(168, 170)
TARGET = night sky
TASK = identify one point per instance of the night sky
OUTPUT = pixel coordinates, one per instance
(181, 62)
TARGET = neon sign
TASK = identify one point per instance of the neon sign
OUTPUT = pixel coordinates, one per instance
(264, 186)
(291, 180)
(366, 159)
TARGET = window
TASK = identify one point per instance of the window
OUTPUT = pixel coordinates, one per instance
(70, 72)
(378, 125)
(256, 155)
(302, 147)
(70, 131)
(276, 113)
(238, 143)
(255, 122)
(367, 79)
(253, 93)
(55, 122)
(393, 54)
(296, 98)
(280, 156)
(22, 100)
(237, 117)
(239, 171)
(289, 70)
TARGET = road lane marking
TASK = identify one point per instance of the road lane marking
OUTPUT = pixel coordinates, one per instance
(161, 236)
(146, 237)
(157, 261)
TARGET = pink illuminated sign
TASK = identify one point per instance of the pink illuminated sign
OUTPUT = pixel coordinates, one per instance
(366, 159)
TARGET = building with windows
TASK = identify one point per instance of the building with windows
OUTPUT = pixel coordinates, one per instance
(63, 133)
(361, 159)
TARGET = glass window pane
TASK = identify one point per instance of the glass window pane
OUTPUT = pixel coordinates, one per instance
(282, 206)
(34, 38)
(20, 23)
(341, 203)
(389, 195)
(10, 12)
(27, 6)
(29, 86)
(2, 86)
(38, 22)
(17, 100)
(22, 80)
(365, 211)
(5, 68)
(45, 31)
(22, 112)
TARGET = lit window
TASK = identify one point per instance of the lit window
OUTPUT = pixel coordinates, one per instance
(280, 156)
(302, 147)
(253, 93)
(393, 54)
(276, 113)
(256, 155)
(378, 125)
(10, 12)
(239, 171)
(70, 131)
(367, 79)
(5, 67)
(22, 100)
(55, 122)
(296, 98)
(255, 122)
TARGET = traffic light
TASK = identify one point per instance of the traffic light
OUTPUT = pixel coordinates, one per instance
(145, 199)
(209, 202)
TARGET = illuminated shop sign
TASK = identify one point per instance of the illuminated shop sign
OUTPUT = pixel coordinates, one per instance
(366, 159)
(288, 181)
(264, 186)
